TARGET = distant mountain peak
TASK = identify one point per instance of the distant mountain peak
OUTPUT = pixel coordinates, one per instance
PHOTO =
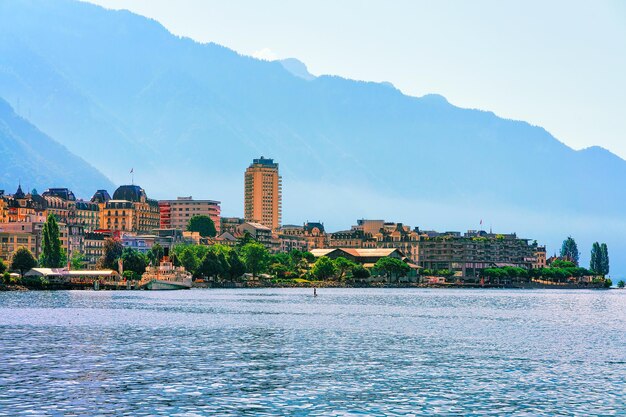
(297, 68)
(435, 98)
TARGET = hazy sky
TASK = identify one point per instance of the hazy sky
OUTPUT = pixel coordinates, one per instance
(557, 64)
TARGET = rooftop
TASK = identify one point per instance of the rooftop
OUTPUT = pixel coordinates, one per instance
(269, 163)
(132, 193)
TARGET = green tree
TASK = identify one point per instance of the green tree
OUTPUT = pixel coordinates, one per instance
(594, 263)
(569, 250)
(608, 283)
(621, 284)
(343, 267)
(392, 267)
(51, 251)
(604, 259)
(3, 267)
(562, 264)
(279, 270)
(310, 258)
(203, 225)
(23, 261)
(188, 258)
(112, 252)
(155, 254)
(360, 272)
(255, 257)
(133, 260)
(77, 261)
(210, 266)
(324, 268)
(236, 266)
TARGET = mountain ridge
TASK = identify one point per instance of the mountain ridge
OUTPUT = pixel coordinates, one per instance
(189, 117)
(31, 158)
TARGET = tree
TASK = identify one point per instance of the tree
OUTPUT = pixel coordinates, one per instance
(112, 252)
(255, 257)
(3, 267)
(236, 266)
(604, 259)
(23, 261)
(559, 263)
(279, 270)
(188, 258)
(324, 268)
(392, 267)
(77, 261)
(310, 258)
(203, 225)
(135, 261)
(360, 272)
(210, 266)
(594, 263)
(343, 266)
(155, 254)
(621, 284)
(51, 251)
(569, 250)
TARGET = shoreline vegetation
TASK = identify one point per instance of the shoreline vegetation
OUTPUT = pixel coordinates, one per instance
(302, 283)
(250, 264)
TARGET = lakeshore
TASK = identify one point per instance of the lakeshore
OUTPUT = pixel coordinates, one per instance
(124, 286)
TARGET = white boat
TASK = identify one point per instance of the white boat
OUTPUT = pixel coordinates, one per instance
(166, 276)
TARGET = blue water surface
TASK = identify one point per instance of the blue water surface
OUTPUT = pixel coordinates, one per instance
(388, 352)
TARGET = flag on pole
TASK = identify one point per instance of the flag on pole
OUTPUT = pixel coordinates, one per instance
(481, 221)
(132, 170)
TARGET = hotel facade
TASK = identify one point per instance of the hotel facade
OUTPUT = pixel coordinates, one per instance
(263, 198)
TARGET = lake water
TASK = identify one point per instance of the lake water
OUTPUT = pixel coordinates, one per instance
(284, 352)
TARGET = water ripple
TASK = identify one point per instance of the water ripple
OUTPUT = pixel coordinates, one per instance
(283, 352)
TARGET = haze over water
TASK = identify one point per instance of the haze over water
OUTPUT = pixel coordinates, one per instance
(281, 351)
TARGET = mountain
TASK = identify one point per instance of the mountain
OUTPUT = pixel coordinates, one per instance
(297, 68)
(35, 160)
(122, 92)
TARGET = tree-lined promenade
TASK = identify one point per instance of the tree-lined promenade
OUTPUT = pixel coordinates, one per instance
(251, 263)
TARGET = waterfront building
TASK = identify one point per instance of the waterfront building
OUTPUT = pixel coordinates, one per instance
(230, 224)
(364, 256)
(291, 242)
(4, 208)
(391, 235)
(93, 247)
(347, 239)
(263, 187)
(466, 256)
(312, 233)
(15, 234)
(175, 214)
(23, 207)
(87, 215)
(64, 276)
(140, 243)
(261, 234)
(540, 257)
(226, 238)
(11, 241)
(62, 203)
(130, 210)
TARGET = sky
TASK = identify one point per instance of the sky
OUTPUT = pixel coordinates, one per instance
(557, 64)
